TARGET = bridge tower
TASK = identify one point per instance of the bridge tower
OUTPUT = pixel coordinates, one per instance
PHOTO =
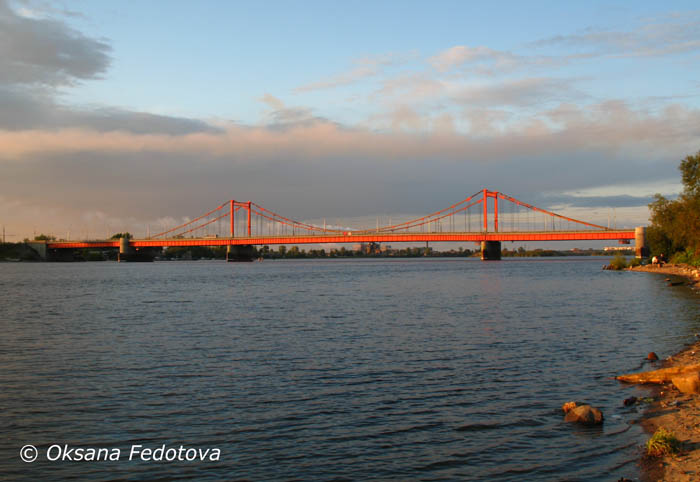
(246, 252)
(490, 250)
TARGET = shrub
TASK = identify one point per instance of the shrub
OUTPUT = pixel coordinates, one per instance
(618, 262)
(661, 443)
(634, 262)
(686, 257)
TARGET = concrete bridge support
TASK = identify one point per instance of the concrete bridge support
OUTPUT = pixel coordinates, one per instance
(491, 250)
(240, 253)
(41, 250)
(640, 242)
(124, 250)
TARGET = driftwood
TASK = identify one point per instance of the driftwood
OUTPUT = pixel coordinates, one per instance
(663, 375)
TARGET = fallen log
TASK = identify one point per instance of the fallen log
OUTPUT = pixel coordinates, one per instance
(662, 375)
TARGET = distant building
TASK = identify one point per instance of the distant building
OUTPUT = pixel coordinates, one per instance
(618, 248)
(368, 248)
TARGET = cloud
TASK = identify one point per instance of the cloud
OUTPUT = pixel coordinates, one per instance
(415, 87)
(43, 9)
(421, 92)
(39, 55)
(45, 51)
(528, 136)
(517, 92)
(669, 35)
(35, 108)
(344, 78)
(280, 116)
(485, 61)
(461, 55)
(321, 169)
(364, 68)
(608, 127)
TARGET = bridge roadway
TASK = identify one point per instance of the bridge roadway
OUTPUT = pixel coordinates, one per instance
(365, 237)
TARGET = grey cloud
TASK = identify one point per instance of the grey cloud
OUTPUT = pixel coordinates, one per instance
(660, 37)
(44, 7)
(281, 117)
(39, 56)
(595, 201)
(341, 185)
(109, 119)
(35, 108)
(45, 51)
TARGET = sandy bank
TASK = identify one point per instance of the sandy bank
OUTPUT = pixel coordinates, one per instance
(675, 411)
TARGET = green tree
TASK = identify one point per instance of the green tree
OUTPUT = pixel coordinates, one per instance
(690, 175)
(675, 224)
(44, 237)
(126, 235)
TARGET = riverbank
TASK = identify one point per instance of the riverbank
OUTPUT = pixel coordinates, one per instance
(690, 273)
(676, 412)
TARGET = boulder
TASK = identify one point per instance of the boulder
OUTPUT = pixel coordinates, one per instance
(652, 356)
(688, 383)
(584, 414)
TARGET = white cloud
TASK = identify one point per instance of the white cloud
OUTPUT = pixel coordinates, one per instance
(526, 92)
(364, 68)
(460, 55)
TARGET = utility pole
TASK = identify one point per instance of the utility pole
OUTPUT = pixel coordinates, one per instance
(4, 235)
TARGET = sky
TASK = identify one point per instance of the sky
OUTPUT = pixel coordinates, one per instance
(122, 115)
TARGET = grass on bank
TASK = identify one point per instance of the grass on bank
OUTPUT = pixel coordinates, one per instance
(688, 257)
(619, 262)
(661, 443)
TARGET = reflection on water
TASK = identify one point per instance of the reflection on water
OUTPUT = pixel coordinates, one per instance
(391, 369)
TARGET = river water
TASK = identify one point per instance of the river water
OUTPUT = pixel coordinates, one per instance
(416, 369)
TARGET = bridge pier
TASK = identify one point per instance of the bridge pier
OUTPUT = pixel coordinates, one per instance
(640, 242)
(240, 253)
(124, 250)
(128, 253)
(41, 249)
(491, 250)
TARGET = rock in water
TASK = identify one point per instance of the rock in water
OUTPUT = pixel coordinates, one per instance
(585, 414)
(652, 356)
(688, 383)
(629, 401)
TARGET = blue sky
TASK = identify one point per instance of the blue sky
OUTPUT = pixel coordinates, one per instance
(218, 59)
(339, 110)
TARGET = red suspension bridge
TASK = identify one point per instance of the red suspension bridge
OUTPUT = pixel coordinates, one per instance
(487, 216)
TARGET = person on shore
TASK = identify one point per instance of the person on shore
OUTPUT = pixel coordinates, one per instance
(654, 261)
(662, 259)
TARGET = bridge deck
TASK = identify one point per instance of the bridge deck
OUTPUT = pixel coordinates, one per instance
(589, 235)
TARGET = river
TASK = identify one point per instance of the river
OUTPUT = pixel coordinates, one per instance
(407, 369)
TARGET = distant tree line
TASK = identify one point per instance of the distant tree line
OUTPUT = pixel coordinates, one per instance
(675, 223)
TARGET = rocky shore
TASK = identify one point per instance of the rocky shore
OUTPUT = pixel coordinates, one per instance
(690, 273)
(674, 411)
